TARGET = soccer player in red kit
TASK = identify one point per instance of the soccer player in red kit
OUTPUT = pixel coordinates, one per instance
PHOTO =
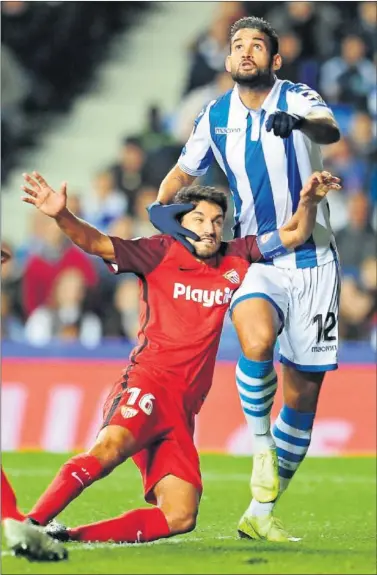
(149, 414)
(9, 507)
(40, 545)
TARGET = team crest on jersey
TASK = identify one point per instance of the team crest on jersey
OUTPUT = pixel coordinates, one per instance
(232, 276)
(128, 412)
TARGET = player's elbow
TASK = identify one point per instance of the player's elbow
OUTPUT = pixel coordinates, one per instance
(295, 239)
(332, 134)
(291, 237)
(102, 247)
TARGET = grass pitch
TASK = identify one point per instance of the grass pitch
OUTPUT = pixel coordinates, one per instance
(331, 503)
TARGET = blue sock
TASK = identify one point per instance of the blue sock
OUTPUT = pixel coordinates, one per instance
(257, 384)
(292, 433)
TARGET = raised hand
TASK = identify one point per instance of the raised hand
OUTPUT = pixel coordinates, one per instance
(42, 196)
(318, 186)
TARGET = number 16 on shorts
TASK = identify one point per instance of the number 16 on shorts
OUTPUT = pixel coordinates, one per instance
(145, 403)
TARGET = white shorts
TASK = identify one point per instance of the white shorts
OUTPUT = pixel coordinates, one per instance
(307, 302)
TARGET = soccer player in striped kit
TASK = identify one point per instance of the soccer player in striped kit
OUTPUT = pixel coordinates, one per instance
(266, 134)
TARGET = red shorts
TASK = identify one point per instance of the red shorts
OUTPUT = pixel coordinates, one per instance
(161, 427)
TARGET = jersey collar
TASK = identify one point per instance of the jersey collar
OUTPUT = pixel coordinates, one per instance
(269, 103)
(187, 261)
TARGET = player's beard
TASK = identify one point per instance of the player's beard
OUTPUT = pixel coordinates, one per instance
(260, 79)
(206, 253)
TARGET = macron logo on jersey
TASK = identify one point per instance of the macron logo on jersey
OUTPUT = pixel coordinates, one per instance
(208, 298)
(221, 131)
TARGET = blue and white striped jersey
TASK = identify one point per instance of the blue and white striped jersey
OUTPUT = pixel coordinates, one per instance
(265, 172)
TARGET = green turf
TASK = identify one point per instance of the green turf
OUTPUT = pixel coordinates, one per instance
(331, 504)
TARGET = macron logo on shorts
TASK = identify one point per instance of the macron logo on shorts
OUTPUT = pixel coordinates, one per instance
(208, 298)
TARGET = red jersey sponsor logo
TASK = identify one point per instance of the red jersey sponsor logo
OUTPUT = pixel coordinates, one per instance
(208, 298)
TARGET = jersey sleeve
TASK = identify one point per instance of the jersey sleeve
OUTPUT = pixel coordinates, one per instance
(140, 255)
(245, 248)
(302, 100)
(196, 156)
(252, 249)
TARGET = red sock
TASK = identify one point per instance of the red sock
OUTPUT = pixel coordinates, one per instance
(8, 500)
(137, 526)
(75, 475)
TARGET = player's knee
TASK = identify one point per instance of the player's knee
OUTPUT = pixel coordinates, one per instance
(108, 453)
(259, 346)
(303, 402)
(181, 520)
(111, 448)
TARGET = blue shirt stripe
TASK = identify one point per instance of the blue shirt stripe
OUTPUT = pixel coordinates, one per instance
(260, 183)
(207, 160)
(306, 254)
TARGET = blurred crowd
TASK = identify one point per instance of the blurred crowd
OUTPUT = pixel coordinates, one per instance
(49, 54)
(51, 289)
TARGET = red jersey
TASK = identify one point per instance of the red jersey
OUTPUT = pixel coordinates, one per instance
(183, 305)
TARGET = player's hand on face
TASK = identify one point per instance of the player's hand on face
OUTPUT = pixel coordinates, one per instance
(164, 218)
(42, 196)
(283, 123)
(318, 186)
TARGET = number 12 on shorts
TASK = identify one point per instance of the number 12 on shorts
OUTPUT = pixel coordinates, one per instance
(325, 327)
(145, 402)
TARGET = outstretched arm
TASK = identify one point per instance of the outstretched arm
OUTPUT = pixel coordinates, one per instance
(172, 183)
(320, 127)
(54, 205)
(301, 224)
(306, 112)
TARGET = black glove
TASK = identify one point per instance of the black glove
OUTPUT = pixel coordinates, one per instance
(164, 218)
(283, 123)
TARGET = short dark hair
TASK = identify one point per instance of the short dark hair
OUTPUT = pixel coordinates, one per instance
(196, 194)
(258, 24)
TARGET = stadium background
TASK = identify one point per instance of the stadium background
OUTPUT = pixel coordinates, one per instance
(103, 95)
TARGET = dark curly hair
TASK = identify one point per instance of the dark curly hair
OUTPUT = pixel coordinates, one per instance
(258, 24)
(196, 194)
